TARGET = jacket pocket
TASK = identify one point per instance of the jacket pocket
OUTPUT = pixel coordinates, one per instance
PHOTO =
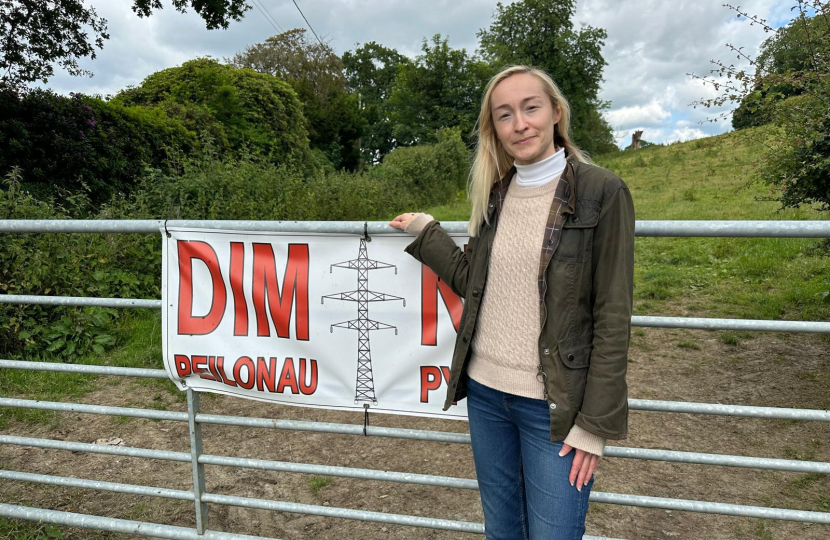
(575, 353)
(578, 232)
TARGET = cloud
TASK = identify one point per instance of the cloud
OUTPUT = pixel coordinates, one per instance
(685, 134)
(653, 113)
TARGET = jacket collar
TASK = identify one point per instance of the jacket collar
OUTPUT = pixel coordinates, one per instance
(499, 189)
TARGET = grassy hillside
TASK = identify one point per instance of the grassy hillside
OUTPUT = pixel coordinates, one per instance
(708, 179)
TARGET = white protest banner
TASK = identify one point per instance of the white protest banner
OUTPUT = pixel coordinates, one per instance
(318, 320)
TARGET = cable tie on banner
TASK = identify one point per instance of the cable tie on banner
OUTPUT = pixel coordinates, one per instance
(365, 418)
(366, 231)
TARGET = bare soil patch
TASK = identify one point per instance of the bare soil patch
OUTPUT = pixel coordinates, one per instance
(782, 370)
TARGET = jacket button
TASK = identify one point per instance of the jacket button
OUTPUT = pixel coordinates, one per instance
(552, 406)
(475, 293)
(547, 352)
(491, 205)
(464, 339)
(571, 357)
(575, 219)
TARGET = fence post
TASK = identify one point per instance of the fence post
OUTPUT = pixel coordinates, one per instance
(198, 468)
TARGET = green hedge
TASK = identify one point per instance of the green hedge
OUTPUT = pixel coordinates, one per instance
(65, 143)
(250, 188)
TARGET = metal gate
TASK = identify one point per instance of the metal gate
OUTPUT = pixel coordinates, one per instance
(195, 419)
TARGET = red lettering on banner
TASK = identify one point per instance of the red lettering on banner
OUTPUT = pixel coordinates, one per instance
(431, 286)
(182, 365)
(200, 365)
(280, 301)
(245, 362)
(288, 377)
(311, 387)
(212, 368)
(188, 323)
(247, 373)
(240, 307)
(431, 379)
(220, 365)
(266, 374)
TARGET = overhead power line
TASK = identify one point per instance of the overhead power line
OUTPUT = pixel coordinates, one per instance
(308, 23)
(268, 17)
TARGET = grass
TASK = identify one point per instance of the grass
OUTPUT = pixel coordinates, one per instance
(17, 529)
(808, 453)
(729, 339)
(142, 349)
(762, 533)
(316, 483)
(709, 179)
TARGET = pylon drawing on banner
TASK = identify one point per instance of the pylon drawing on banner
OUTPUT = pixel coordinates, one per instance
(365, 384)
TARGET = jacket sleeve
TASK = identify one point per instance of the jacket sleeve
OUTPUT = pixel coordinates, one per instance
(434, 247)
(605, 406)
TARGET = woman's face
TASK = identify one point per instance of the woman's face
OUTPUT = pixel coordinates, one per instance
(524, 118)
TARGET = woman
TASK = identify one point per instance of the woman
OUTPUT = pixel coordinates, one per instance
(547, 277)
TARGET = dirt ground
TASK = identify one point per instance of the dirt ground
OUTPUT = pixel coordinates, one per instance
(782, 370)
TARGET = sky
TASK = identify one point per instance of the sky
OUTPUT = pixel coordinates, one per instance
(651, 48)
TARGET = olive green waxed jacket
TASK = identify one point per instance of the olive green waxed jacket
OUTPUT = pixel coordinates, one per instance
(583, 344)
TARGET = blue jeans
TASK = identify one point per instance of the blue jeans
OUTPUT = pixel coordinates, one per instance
(523, 482)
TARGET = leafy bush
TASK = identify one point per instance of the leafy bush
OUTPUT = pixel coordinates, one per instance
(799, 163)
(250, 188)
(66, 265)
(241, 109)
(64, 143)
(429, 174)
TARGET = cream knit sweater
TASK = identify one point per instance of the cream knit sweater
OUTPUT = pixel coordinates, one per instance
(504, 346)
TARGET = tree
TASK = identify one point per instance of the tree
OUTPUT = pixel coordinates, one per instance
(216, 13)
(35, 34)
(371, 71)
(796, 59)
(540, 33)
(291, 56)
(792, 49)
(316, 73)
(442, 88)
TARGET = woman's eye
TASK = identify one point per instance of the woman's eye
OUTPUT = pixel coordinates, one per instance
(532, 107)
(502, 117)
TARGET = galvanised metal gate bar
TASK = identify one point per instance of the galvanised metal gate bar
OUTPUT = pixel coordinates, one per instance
(689, 323)
(798, 229)
(683, 229)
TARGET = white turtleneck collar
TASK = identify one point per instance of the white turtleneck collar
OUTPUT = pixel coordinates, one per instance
(541, 172)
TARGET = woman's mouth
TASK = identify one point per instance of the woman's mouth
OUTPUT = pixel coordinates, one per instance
(523, 141)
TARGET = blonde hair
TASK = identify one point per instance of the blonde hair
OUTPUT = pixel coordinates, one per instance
(491, 160)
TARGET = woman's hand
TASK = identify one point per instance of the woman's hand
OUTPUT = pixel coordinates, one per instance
(403, 220)
(583, 466)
